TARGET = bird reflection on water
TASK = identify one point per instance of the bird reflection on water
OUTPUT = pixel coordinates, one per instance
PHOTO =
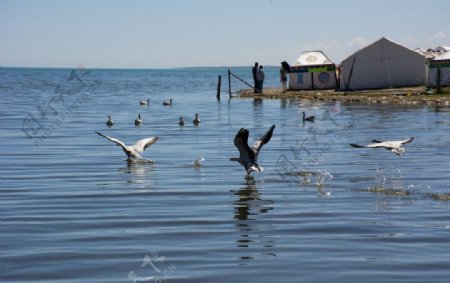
(248, 209)
(138, 170)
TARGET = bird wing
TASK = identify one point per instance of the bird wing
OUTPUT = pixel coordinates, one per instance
(407, 140)
(373, 145)
(116, 141)
(143, 144)
(262, 140)
(241, 142)
(357, 145)
(386, 144)
(391, 144)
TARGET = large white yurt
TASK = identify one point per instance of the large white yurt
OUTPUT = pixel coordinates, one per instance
(382, 64)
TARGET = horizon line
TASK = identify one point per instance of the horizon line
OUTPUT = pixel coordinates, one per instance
(126, 68)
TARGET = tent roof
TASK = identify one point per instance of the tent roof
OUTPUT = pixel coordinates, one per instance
(312, 58)
(445, 56)
(376, 42)
(443, 48)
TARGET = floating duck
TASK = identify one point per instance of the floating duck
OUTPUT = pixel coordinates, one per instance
(308, 118)
(144, 102)
(196, 120)
(110, 122)
(168, 103)
(181, 123)
(138, 121)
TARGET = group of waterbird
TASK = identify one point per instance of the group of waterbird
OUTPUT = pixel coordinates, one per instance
(138, 121)
(147, 102)
(196, 120)
(248, 156)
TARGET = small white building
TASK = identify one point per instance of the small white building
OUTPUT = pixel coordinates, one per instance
(312, 70)
(443, 64)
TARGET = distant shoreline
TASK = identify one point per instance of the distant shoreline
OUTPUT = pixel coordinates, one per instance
(136, 68)
(400, 96)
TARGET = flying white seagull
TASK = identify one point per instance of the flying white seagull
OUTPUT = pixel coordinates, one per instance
(132, 152)
(248, 156)
(394, 146)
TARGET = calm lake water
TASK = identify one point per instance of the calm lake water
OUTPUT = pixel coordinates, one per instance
(73, 210)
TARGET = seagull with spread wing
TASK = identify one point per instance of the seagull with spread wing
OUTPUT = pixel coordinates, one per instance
(248, 156)
(132, 152)
(394, 146)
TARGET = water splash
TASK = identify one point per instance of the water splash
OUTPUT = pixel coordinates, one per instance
(306, 178)
(388, 181)
(322, 176)
(380, 178)
(301, 177)
(390, 177)
(198, 161)
(439, 196)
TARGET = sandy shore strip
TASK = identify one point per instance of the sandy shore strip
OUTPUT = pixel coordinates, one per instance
(407, 96)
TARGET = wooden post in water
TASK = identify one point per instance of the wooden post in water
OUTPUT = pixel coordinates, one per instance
(229, 82)
(219, 84)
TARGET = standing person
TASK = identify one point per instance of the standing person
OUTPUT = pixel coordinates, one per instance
(260, 79)
(254, 71)
(283, 77)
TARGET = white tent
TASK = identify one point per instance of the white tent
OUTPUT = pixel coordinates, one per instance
(310, 58)
(442, 48)
(445, 56)
(443, 64)
(382, 64)
(312, 70)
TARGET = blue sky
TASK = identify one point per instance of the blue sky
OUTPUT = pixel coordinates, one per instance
(190, 33)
